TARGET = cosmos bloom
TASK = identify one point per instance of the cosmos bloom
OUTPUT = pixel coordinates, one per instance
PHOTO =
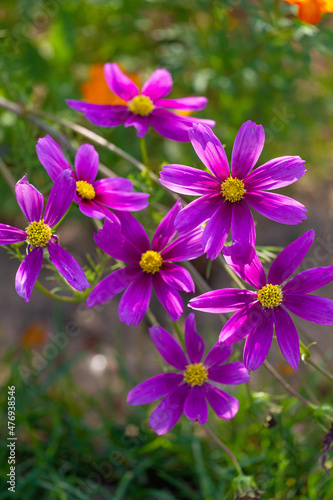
(146, 108)
(189, 390)
(92, 196)
(310, 11)
(151, 265)
(39, 235)
(258, 311)
(225, 196)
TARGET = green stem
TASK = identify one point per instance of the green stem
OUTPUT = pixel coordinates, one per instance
(320, 369)
(287, 386)
(224, 448)
(59, 298)
(144, 152)
(231, 273)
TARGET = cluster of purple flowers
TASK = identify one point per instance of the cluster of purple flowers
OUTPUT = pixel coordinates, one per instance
(225, 197)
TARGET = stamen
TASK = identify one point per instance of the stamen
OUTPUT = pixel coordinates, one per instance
(232, 189)
(85, 190)
(141, 105)
(195, 374)
(270, 296)
(38, 233)
(151, 261)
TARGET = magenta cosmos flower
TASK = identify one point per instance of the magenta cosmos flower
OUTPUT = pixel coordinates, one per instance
(258, 311)
(39, 234)
(145, 108)
(226, 195)
(92, 196)
(151, 265)
(189, 390)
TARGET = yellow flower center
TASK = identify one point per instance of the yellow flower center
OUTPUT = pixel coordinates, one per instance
(151, 261)
(85, 190)
(232, 189)
(270, 296)
(195, 374)
(38, 233)
(141, 105)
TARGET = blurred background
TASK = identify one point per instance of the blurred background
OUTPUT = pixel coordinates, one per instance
(72, 367)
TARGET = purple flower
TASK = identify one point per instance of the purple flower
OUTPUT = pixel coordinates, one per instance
(188, 391)
(226, 197)
(92, 196)
(150, 266)
(39, 234)
(147, 108)
(258, 311)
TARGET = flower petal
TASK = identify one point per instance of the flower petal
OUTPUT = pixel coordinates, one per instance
(277, 207)
(91, 209)
(217, 230)
(290, 258)
(224, 405)
(173, 126)
(242, 323)
(166, 230)
(135, 300)
(242, 224)
(195, 407)
(247, 148)
(86, 163)
(154, 388)
(158, 85)
(287, 336)
(197, 212)
(168, 347)
(28, 272)
(275, 174)
(60, 198)
(218, 354)
(309, 280)
(169, 410)
(259, 341)
(51, 157)
(113, 242)
(229, 374)
(242, 258)
(141, 123)
(195, 345)
(29, 199)
(195, 103)
(123, 200)
(177, 277)
(67, 266)
(10, 234)
(119, 83)
(210, 151)
(113, 284)
(112, 184)
(169, 297)
(223, 301)
(133, 231)
(103, 115)
(310, 307)
(185, 247)
(188, 180)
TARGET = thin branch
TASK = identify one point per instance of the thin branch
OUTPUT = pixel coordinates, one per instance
(224, 447)
(285, 384)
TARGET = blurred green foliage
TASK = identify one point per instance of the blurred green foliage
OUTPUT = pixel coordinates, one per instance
(253, 60)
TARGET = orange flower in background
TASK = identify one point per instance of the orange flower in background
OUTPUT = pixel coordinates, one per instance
(310, 11)
(96, 91)
(35, 335)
